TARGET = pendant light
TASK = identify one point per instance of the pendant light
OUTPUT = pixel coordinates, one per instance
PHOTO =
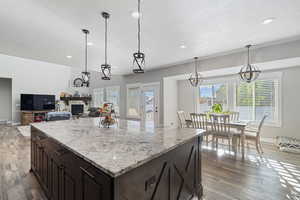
(196, 79)
(106, 68)
(139, 57)
(249, 72)
(84, 81)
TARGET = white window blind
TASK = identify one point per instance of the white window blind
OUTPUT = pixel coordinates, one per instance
(213, 94)
(257, 99)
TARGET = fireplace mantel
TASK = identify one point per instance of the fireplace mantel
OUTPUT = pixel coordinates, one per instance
(86, 100)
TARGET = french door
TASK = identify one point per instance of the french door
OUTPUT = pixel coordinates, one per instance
(143, 103)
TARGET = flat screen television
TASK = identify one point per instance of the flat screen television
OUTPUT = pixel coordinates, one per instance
(37, 102)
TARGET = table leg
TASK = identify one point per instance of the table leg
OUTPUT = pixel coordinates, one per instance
(243, 138)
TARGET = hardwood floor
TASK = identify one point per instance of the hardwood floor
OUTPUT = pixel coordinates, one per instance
(16, 183)
(275, 175)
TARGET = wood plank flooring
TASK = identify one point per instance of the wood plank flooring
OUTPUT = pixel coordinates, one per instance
(273, 176)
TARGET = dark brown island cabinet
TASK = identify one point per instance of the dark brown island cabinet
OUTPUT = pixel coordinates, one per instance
(66, 175)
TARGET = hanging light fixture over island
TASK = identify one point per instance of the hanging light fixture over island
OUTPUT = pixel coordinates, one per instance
(84, 81)
(139, 57)
(105, 68)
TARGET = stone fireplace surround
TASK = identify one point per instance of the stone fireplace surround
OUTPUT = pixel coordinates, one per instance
(68, 108)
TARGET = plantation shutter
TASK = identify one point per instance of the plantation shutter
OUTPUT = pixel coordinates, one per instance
(265, 99)
(244, 101)
(254, 100)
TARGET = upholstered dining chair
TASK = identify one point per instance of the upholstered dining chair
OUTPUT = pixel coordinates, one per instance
(182, 118)
(252, 133)
(220, 129)
(200, 121)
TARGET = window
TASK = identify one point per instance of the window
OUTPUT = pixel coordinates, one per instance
(213, 94)
(133, 101)
(113, 96)
(251, 100)
(98, 97)
(107, 95)
(257, 99)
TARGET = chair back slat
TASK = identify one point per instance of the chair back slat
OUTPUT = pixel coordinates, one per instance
(199, 120)
(234, 116)
(182, 118)
(220, 123)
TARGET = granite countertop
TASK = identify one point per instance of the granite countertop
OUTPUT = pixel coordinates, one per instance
(118, 149)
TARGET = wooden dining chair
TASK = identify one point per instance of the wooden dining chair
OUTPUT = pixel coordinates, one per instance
(221, 129)
(200, 121)
(253, 134)
(182, 118)
(234, 116)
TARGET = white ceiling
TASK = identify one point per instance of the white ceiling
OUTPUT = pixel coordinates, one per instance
(49, 30)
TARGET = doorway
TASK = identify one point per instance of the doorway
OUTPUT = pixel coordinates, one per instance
(143, 103)
(5, 100)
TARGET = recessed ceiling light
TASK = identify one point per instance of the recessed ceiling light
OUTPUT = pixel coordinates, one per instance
(183, 46)
(69, 57)
(136, 14)
(90, 44)
(268, 21)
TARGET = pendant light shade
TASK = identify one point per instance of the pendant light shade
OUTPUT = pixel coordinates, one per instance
(195, 79)
(249, 72)
(139, 57)
(106, 68)
(84, 81)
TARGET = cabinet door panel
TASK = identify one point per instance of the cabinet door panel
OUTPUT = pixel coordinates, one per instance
(69, 186)
(95, 185)
(55, 180)
(46, 170)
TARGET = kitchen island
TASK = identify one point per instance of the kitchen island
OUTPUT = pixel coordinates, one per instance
(78, 160)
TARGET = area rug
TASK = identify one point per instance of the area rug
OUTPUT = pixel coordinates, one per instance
(24, 130)
(288, 144)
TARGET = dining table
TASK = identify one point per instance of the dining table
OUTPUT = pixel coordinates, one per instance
(239, 125)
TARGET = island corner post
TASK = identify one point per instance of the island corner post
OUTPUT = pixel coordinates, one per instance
(65, 175)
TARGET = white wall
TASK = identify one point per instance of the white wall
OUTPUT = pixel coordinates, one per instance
(30, 76)
(186, 94)
(5, 99)
(171, 102)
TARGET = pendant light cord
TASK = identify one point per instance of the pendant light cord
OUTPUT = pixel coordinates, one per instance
(105, 40)
(86, 54)
(139, 26)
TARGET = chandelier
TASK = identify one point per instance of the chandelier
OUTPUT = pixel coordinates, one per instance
(249, 72)
(196, 79)
(139, 57)
(84, 81)
(106, 68)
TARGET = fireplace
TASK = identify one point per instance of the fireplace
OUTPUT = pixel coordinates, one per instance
(77, 109)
